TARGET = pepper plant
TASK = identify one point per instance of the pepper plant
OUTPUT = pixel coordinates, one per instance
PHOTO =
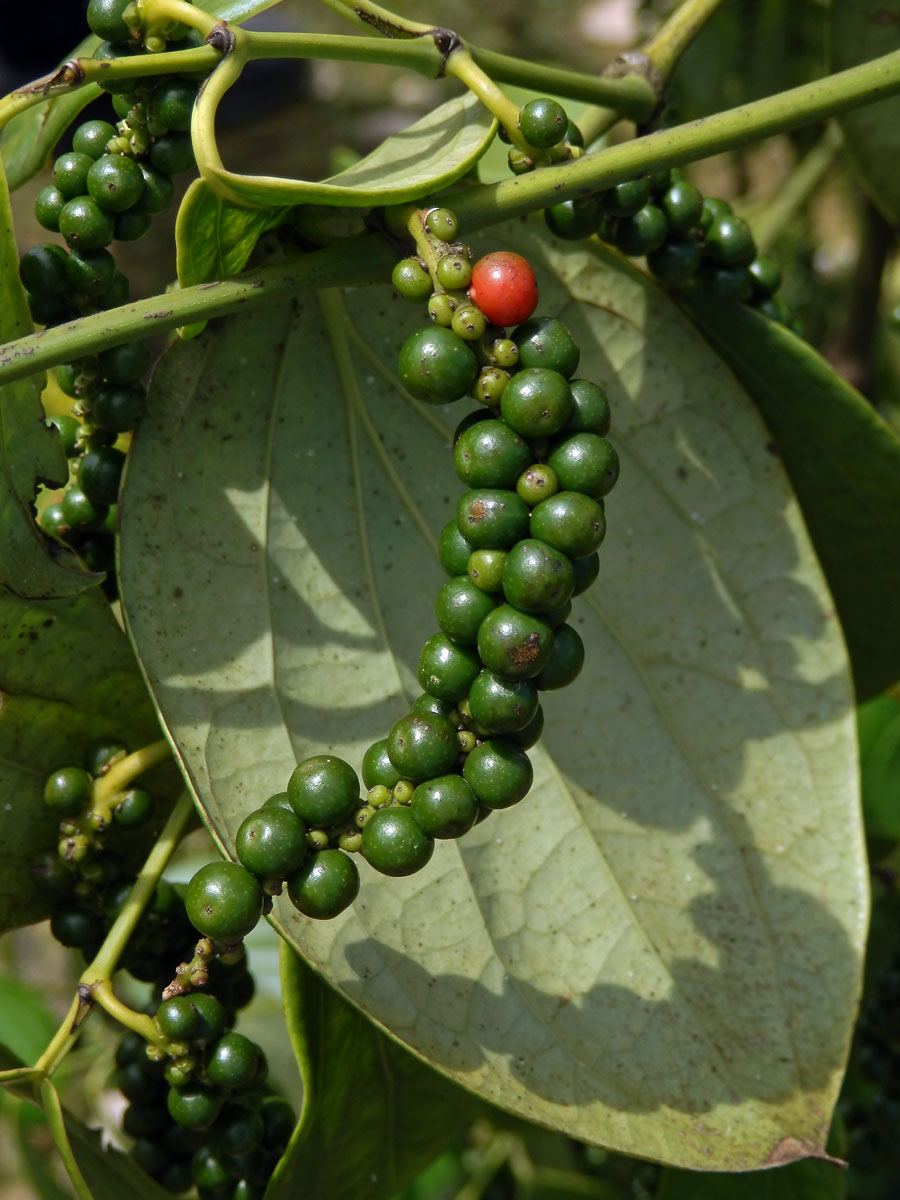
(569, 861)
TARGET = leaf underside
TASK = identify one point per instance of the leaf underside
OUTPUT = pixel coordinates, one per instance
(659, 949)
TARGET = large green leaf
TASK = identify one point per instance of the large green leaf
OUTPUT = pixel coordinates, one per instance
(844, 463)
(402, 1114)
(425, 157)
(879, 760)
(67, 677)
(798, 1181)
(30, 453)
(659, 949)
(859, 30)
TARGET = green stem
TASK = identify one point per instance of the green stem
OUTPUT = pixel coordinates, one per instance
(355, 260)
(630, 95)
(203, 116)
(158, 12)
(669, 43)
(127, 769)
(418, 54)
(805, 105)
(57, 1125)
(463, 67)
(373, 16)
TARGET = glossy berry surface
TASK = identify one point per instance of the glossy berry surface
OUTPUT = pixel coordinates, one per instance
(436, 365)
(68, 791)
(85, 225)
(178, 1018)
(565, 661)
(547, 342)
(585, 463)
(194, 1106)
(729, 242)
(118, 408)
(490, 454)
(460, 607)
(115, 182)
(271, 842)
(323, 790)
(393, 843)
(502, 705)
(573, 220)
(537, 578)
(504, 287)
(571, 522)
(537, 402)
(134, 809)
(412, 281)
(125, 364)
(499, 773)
(445, 807)
(485, 569)
(642, 232)
(454, 549)
(543, 122)
(223, 901)
(675, 262)
(90, 138)
(377, 767)
(536, 483)
(514, 644)
(491, 518)
(446, 669)
(99, 473)
(233, 1061)
(326, 884)
(106, 19)
(423, 746)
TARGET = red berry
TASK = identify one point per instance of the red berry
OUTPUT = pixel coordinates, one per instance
(504, 287)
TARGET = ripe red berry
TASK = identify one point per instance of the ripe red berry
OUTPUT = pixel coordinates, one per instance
(504, 287)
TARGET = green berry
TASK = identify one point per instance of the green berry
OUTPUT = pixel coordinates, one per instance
(106, 19)
(68, 791)
(134, 809)
(85, 225)
(279, 800)
(514, 644)
(99, 474)
(446, 669)
(426, 703)
(713, 208)
(453, 549)
(675, 262)
(682, 205)
(79, 512)
(412, 281)
(90, 271)
(441, 308)
(505, 353)
(536, 577)
(444, 807)
(485, 569)
(326, 884)
(489, 386)
(490, 454)
(223, 901)
(211, 1017)
(172, 153)
(125, 364)
(394, 844)
(48, 205)
(536, 402)
(271, 843)
(642, 232)
(546, 342)
(76, 927)
(729, 242)
(115, 182)
(570, 522)
(460, 607)
(91, 137)
(42, 270)
(172, 104)
(585, 463)
(536, 484)
(423, 746)
(118, 409)
(377, 768)
(178, 1018)
(119, 292)
(158, 193)
(454, 272)
(468, 322)
(131, 225)
(573, 220)
(194, 1106)
(70, 172)
(586, 571)
(765, 278)
(627, 198)
(233, 1061)
(442, 223)
(499, 773)
(279, 1120)
(543, 122)
(492, 518)
(323, 790)
(144, 1120)
(210, 1174)
(502, 705)
(238, 1132)
(565, 661)
(729, 283)
(436, 365)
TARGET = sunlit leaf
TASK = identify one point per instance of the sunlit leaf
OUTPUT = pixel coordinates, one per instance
(401, 1112)
(67, 678)
(429, 155)
(659, 949)
(844, 464)
(30, 453)
(860, 30)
